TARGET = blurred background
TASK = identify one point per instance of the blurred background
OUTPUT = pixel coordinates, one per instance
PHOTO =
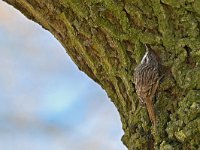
(46, 103)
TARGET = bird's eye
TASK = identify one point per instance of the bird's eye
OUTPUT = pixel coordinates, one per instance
(146, 59)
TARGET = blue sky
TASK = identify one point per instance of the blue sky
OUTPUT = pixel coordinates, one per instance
(46, 103)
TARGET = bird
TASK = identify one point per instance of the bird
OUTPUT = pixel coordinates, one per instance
(146, 79)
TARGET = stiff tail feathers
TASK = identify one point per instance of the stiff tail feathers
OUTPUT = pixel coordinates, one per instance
(150, 110)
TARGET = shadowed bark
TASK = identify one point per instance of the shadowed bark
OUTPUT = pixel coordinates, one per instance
(105, 39)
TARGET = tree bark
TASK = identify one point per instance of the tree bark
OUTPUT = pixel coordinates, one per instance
(105, 39)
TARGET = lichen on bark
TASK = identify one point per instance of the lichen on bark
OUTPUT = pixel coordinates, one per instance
(105, 39)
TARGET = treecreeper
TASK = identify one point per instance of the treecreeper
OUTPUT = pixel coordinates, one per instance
(147, 76)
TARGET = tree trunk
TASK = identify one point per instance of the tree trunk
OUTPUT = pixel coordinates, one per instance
(105, 39)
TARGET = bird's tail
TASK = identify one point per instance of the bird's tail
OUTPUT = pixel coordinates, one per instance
(150, 109)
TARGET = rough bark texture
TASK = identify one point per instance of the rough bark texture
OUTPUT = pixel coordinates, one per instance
(105, 39)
